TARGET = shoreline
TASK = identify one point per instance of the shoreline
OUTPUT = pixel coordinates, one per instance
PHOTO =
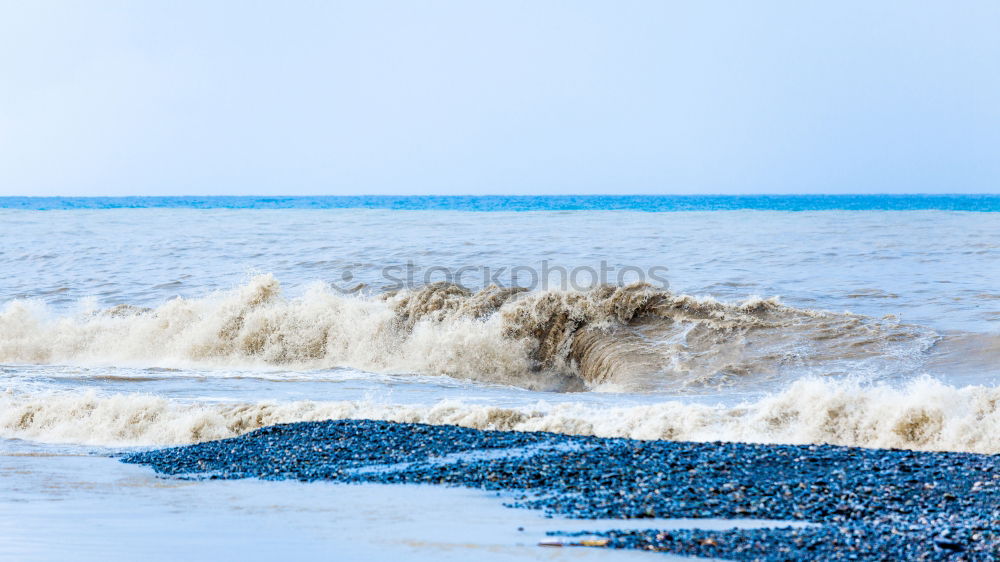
(862, 503)
(133, 514)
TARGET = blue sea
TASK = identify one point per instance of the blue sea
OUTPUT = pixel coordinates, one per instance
(649, 203)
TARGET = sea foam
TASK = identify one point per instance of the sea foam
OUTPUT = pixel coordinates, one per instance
(922, 415)
(632, 338)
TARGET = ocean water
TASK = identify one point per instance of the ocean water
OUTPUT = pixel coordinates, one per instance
(652, 203)
(137, 322)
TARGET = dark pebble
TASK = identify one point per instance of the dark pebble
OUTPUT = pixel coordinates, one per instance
(867, 504)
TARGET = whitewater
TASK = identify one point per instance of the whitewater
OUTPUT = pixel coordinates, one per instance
(123, 327)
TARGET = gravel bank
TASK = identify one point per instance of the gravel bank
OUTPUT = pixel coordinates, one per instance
(866, 503)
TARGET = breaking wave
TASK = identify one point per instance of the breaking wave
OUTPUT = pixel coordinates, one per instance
(633, 338)
(923, 415)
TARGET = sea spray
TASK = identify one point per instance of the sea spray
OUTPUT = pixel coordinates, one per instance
(632, 338)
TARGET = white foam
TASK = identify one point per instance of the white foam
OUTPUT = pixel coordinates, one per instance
(253, 326)
(923, 415)
(629, 338)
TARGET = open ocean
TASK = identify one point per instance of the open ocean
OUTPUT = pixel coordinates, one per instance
(134, 322)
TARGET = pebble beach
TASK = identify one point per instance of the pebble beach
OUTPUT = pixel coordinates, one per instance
(856, 503)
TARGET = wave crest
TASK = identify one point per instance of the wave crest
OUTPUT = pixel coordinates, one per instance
(618, 338)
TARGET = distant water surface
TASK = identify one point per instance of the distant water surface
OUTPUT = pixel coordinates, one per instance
(652, 203)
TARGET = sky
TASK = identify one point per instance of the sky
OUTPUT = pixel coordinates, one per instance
(204, 97)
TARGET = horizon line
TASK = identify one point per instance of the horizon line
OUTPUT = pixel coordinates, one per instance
(565, 195)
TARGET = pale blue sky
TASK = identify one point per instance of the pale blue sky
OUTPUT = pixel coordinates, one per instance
(148, 98)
